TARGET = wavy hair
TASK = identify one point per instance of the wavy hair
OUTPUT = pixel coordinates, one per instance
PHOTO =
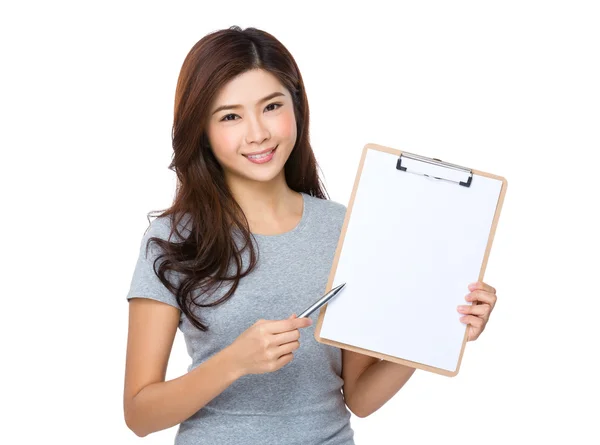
(203, 258)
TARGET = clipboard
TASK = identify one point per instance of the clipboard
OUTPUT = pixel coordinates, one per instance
(417, 231)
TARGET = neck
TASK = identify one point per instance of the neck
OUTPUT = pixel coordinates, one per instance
(264, 202)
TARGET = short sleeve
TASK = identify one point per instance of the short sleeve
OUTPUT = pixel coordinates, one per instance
(145, 283)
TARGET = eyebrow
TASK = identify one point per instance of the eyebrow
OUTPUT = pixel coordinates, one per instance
(264, 99)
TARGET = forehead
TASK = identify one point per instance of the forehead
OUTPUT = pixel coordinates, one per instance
(248, 88)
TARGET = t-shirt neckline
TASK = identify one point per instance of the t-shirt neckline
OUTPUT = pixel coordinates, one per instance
(299, 227)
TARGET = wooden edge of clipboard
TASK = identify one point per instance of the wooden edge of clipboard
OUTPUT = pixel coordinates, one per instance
(338, 251)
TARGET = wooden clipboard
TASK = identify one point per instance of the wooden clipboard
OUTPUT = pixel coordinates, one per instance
(470, 178)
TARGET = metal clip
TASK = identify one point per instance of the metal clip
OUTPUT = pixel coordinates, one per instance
(438, 163)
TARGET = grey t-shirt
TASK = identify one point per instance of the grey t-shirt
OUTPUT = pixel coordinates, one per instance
(302, 402)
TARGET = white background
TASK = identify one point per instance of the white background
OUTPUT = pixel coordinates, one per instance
(511, 88)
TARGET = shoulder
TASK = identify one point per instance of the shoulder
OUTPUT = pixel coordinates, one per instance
(327, 205)
(160, 227)
(327, 210)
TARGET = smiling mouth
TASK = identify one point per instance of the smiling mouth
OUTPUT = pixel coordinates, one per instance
(263, 155)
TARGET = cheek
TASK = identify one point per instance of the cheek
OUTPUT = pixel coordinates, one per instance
(225, 140)
(286, 126)
(224, 143)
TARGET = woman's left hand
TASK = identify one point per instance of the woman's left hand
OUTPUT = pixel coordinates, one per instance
(482, 298)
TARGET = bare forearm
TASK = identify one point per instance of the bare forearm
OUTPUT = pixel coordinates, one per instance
(162, 405)
(376, 385)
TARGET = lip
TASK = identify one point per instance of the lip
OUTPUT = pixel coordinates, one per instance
(261, 152)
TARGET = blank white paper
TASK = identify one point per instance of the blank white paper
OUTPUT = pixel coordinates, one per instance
(412, 246)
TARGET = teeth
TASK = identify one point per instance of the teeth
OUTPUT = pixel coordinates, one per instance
(260, 156)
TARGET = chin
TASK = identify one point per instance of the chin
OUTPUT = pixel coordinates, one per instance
(265, 177)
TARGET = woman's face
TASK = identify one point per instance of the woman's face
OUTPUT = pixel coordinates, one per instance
(253, 113)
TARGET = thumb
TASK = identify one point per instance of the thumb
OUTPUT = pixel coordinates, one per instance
(292, 316)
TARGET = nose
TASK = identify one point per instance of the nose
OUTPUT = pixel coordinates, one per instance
(257, 131)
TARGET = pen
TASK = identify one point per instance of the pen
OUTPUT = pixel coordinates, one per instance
(324, 299)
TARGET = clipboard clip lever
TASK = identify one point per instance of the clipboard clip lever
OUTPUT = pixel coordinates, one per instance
(438, 163)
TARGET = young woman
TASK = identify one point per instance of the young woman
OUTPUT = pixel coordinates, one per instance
(249, 240)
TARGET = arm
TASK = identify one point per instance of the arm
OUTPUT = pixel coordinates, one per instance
(151, 404)
(370, 382)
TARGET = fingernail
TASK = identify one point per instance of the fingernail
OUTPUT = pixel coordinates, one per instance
(462, 308)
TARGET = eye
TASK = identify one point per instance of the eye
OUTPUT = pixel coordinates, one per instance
(274, 103)
(226, 116)
(233, 116)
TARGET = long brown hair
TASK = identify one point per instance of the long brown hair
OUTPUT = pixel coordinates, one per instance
(203, 258)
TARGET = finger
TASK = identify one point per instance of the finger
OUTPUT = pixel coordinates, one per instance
(286, 337)
(477, 309)
(480, 297)
(287, 348)
(473, 321)
(290, 324)
(480, 285)
(284, 360)
(473, 333)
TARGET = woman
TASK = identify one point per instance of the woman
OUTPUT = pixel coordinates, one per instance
(249, 238)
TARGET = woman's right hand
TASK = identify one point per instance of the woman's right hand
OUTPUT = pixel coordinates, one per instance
(268, 345)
